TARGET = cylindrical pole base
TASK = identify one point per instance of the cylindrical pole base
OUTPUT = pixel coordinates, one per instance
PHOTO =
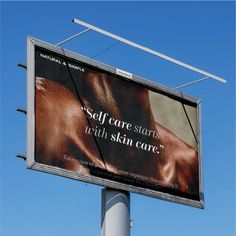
(115, 213)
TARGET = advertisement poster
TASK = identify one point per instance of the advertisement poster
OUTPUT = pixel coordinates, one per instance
(99, 124)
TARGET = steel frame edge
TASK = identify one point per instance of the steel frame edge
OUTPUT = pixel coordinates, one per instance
(200, 163)
(30, 127)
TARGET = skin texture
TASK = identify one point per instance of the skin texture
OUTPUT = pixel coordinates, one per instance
(61, 140)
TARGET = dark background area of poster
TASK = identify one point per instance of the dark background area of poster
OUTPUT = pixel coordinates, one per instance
(64, 75)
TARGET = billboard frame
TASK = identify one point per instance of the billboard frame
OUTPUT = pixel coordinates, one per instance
(30, 139)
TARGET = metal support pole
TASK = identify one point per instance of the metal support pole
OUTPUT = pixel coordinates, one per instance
(72, 37)
(115, 218)
(22, 156)
(191, 82)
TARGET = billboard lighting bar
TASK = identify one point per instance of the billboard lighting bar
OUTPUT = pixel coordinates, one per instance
(72, 37)
(151, 51)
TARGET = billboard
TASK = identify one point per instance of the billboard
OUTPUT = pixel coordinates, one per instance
(102, 125)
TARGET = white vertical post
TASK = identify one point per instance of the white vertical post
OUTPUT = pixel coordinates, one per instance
(115, 218)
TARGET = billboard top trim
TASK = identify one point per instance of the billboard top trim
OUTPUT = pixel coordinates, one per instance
(151, 51)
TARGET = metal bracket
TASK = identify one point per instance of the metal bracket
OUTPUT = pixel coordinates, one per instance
(22, 110)
(22, 156)
(22, 65)
(131, 223)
